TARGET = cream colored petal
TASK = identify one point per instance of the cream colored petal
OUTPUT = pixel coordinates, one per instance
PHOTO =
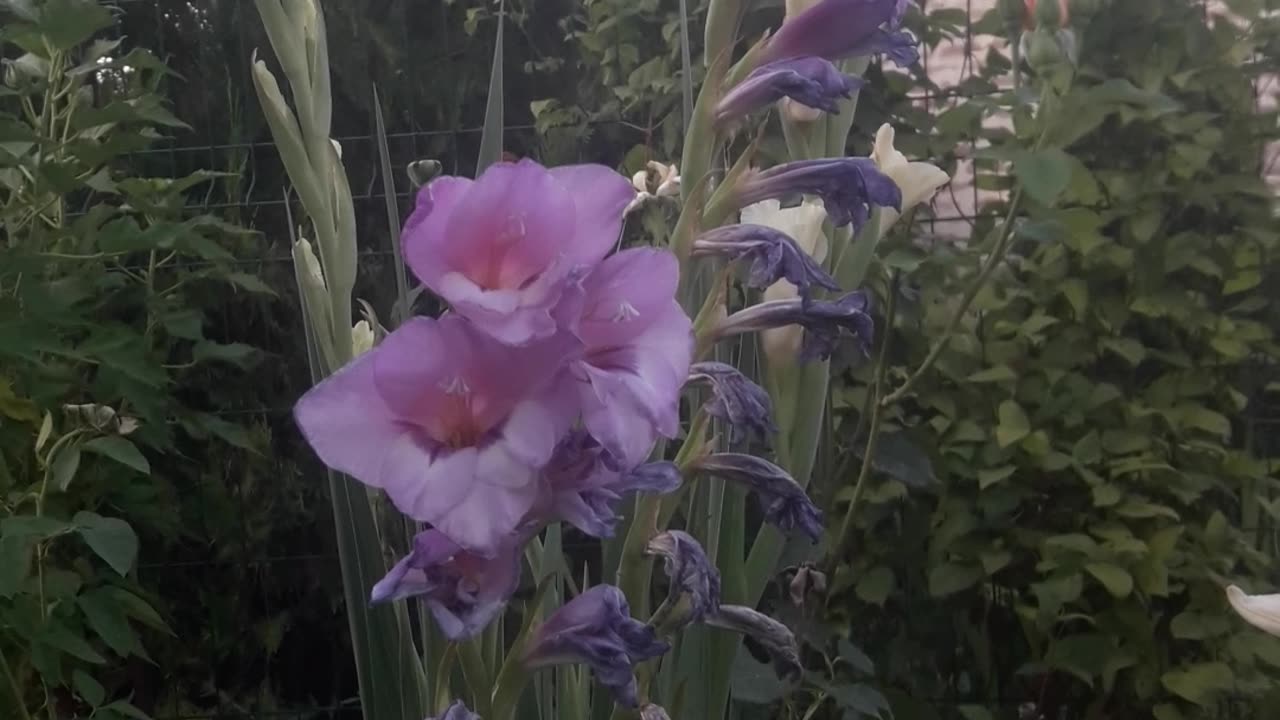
(799, 112)
(640, 181)
(361, 338)
(919, 181)
(795, 7)
(1260, 611)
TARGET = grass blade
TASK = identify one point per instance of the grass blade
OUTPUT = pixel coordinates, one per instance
(491, 139)
(393, 213)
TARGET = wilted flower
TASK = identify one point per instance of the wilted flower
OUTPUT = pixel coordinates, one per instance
(102, 418)
(584, 484)
(463, 590)
(421, 172)
(457, 711)
(500, 248)
(454, 425)
(596, 628)
(822, 322)
(638, 345)
(836, 29)
(772, 635)
(689, 571)
(361, 338)
(786, 504)
(810, 81)
(807, 581)
(653, 712)
(744, 405)
(773, 254)
(657, 180)
(1260, 611)
(803, 223)
(918, 181)
(847, 186)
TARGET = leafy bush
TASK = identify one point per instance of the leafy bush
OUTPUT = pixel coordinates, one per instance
(1083, 422)
(106, 287)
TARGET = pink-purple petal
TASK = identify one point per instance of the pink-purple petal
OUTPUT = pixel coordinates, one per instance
(601, 196)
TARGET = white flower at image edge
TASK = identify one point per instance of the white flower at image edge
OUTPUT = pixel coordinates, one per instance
(1260, 611)
(804, 224)
(918, 181)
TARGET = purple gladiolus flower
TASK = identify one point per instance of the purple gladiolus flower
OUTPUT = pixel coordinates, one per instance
(774, 256)
(500, 248)
(596, 628)
(457, 711)
(452, 424)
(786, 504)
(744, 405)
(810, 81)
(638, 346)
(584, 485)
(822, 321)
(835, 29)
(772, 635)
(464, 591)
(847, 186)
(689, 571)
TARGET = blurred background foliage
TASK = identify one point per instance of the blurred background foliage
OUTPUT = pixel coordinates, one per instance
(1095, 447)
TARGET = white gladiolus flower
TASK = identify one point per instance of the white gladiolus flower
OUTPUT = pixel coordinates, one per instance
(361, 338)
(918, 181)
(1260, 611)
(804, 224)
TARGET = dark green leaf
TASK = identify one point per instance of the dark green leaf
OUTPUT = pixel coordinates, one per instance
(120, 450)
(1014, 424)
(31, 526)
(58, 636)
(857, 659)
(111, 538)
(234, 353)
(1200, 683)
(89, 690)
(108, 620)
(951, 578)
(1045, 174)
(15, 560)
(63, 467)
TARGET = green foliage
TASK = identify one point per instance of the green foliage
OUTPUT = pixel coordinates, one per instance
(1087, 421)
(99, 329)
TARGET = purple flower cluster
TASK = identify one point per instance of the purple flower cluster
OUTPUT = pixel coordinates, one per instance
(535, 399)
(798, 61)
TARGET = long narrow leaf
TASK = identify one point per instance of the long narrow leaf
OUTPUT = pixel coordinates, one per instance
(393, 212)
(491, 139)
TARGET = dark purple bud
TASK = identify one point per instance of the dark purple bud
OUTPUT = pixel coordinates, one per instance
(596, 628)
(810, 81)
(774, 256)
(689, 571)
(456, 711)
(464, 591)
(785, 503)
(822, 322)
(847, 186)
(835, 29)
(744, 405)
(772, 635)
(585, 485)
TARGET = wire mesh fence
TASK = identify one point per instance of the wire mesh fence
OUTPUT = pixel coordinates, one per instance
(209, 46)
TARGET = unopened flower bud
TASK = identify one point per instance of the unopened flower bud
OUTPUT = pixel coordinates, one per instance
(422, 172)
(807, 581)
